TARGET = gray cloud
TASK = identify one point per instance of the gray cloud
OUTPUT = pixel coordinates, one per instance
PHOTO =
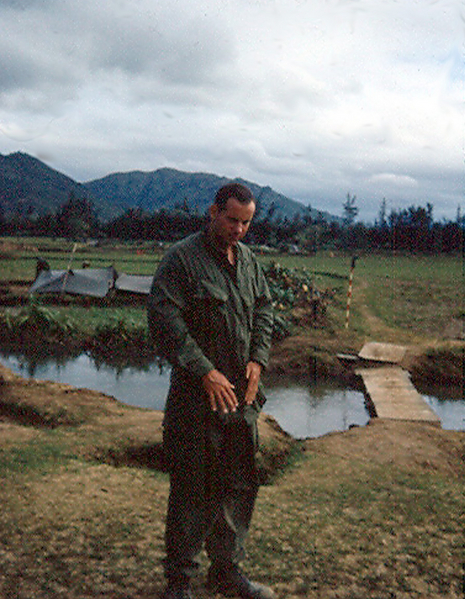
(315, 99)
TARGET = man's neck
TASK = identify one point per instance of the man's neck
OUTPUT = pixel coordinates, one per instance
(231, 255)
(228, 250)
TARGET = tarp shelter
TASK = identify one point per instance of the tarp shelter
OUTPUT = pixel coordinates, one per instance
(95, 282)
(134, 283)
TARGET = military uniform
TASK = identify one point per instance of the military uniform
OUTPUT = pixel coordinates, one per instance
(205, 314)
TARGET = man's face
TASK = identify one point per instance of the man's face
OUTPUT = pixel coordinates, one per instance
(232, 223)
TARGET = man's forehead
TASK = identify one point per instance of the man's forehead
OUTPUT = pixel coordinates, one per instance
(234, 205)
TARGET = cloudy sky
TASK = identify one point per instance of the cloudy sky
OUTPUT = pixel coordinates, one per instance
(316, 98)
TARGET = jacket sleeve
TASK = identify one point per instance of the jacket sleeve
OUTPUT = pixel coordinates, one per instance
(263, 320)
(166, 303)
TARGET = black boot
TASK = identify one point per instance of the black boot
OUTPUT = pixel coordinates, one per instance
(176, 589)
(232, 582)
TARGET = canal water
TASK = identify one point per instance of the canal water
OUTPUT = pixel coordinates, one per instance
(303, 410)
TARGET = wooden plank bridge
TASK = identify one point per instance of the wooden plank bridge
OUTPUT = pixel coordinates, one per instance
(390, 392)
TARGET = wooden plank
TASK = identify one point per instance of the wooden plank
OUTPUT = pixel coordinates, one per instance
(347, 357)
(393, 396)
(382, 352)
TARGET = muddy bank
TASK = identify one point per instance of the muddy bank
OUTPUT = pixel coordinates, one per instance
(104, 429)
(295, 356)
(439, 363)
(98, 427)
(84, 503)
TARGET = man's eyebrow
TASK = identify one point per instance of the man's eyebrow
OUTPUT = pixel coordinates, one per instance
(245, 220)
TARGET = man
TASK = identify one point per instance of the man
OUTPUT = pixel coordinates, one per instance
(210, 315)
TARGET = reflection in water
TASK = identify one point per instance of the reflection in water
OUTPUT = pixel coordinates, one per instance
(301, 410)
(306, 411)
(142, 387)
(451, 412)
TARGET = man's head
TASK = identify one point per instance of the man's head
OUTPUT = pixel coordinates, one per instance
(231, 213)
(233, 190)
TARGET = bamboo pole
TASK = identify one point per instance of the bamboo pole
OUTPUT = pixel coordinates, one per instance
(349, 291)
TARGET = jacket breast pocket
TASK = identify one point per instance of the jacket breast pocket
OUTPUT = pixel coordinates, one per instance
(212, 293)
(209, 303)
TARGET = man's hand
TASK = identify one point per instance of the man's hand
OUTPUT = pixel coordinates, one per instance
(253, 372)
(220, 392)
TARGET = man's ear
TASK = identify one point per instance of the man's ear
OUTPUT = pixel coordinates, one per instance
(214, 211)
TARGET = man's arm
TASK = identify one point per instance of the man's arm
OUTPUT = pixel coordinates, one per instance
(166, 305)
(261, 336)
(262, 321)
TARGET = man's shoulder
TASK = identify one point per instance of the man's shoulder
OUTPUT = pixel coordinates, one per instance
(246, 252)
(187, 245)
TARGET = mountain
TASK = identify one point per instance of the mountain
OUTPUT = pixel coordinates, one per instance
(169, 189)
(29, 186)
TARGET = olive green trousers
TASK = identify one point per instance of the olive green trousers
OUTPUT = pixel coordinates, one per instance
(212, 496)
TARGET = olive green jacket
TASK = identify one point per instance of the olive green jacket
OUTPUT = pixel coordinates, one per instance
(204, 314)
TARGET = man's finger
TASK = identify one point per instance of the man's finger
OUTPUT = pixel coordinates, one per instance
(221, 405)
(251, 393)
(252, 372)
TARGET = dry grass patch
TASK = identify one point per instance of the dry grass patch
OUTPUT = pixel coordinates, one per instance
(377, 511)
(82, 531)
(349, 525)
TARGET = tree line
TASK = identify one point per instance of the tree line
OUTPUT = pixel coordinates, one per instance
(412, 229)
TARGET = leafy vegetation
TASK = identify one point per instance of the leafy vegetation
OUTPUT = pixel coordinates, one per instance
(396, 297)
(117, 338)
(34, 322)
(293, 289)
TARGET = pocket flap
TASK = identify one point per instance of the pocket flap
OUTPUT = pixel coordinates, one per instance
(210, 290)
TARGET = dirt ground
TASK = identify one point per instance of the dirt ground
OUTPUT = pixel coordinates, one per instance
(80, 520)
(115, 432)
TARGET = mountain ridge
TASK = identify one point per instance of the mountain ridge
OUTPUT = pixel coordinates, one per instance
(29, 186)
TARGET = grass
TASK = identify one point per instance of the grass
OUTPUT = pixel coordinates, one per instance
(369, 531)
(85, 320)
(32, 457)
(321, 530)
(331, 526)
(18, 256)
(91, 319)
(406, 297)
(107, 545)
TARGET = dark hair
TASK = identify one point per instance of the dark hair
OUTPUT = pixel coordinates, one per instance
(233, 190)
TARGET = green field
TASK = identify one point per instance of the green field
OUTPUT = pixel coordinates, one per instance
(18, 256)
(396, 297)
(408, 296)
(376, 511)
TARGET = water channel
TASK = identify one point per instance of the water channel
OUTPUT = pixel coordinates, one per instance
(302, 409)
